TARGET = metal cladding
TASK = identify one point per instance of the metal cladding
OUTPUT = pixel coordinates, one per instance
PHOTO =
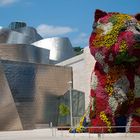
(60, 48)
(15, 44)
(30, 32)
(25, 35)
(9, 117)
(30, 89)
(12, 37)
(24, 53)
(36, 90)
(19, 33)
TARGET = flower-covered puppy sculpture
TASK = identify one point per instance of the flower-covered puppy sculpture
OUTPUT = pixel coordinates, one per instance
(115, 91)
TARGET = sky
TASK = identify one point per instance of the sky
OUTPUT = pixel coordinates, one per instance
(62, 18)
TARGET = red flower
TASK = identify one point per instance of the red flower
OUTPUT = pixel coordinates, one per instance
(105, 19)
(135, 123)
(92, 93)
(96, 123)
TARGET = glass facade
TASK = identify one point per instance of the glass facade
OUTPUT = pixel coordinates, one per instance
(78, 107)
(16, 25)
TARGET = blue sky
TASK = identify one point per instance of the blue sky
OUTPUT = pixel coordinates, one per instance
(64, 18)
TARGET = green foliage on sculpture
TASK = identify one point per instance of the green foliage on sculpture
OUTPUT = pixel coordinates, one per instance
(115, 81)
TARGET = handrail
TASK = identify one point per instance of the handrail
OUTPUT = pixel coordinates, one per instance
(93, 126)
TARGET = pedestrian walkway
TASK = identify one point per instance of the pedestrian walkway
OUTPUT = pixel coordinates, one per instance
(54, 134)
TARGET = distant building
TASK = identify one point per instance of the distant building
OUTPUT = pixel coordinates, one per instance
(82, 67)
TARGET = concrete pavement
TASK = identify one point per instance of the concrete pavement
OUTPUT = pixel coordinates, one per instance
(53, 134)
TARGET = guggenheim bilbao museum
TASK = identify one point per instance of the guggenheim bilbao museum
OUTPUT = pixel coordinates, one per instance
(36, 77)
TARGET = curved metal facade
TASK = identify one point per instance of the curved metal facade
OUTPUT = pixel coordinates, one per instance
(36, 90)
(31, 88)
(15, 44)
(25, 35)
(30, 32)
(24, 53)
(60, 48)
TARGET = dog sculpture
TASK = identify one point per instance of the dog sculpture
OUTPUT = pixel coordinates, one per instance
(115, 82)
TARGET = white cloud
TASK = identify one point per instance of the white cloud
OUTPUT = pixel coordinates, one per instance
(7, 2)
(0, 27)
(50, 30)
(81, 39)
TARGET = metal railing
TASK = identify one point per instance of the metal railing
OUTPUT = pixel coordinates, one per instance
(64, 131)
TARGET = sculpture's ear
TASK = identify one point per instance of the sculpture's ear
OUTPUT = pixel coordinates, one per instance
(137, 16)
(99, 14)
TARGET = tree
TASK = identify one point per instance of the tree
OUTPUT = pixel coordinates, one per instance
(64, 110)
(78, 50)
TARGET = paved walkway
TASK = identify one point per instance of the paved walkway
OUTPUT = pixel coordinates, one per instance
(53, 134)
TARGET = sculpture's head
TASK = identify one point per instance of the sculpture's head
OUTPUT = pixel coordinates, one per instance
(115, 38)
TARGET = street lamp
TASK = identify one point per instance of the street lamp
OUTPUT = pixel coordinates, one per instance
(70, 92)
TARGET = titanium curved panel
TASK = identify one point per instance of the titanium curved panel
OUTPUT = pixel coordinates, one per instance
(9, 117)
(24, 53)
(21, 80)
(12, 37)
(30, 32)
(60, 48)
(36, 89)
(24, 35)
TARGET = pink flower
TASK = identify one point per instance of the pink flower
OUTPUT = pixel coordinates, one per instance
(116, 48)
(92, 93)
(105, 19)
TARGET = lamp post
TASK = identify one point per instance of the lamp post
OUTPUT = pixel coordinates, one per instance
(70, 93)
